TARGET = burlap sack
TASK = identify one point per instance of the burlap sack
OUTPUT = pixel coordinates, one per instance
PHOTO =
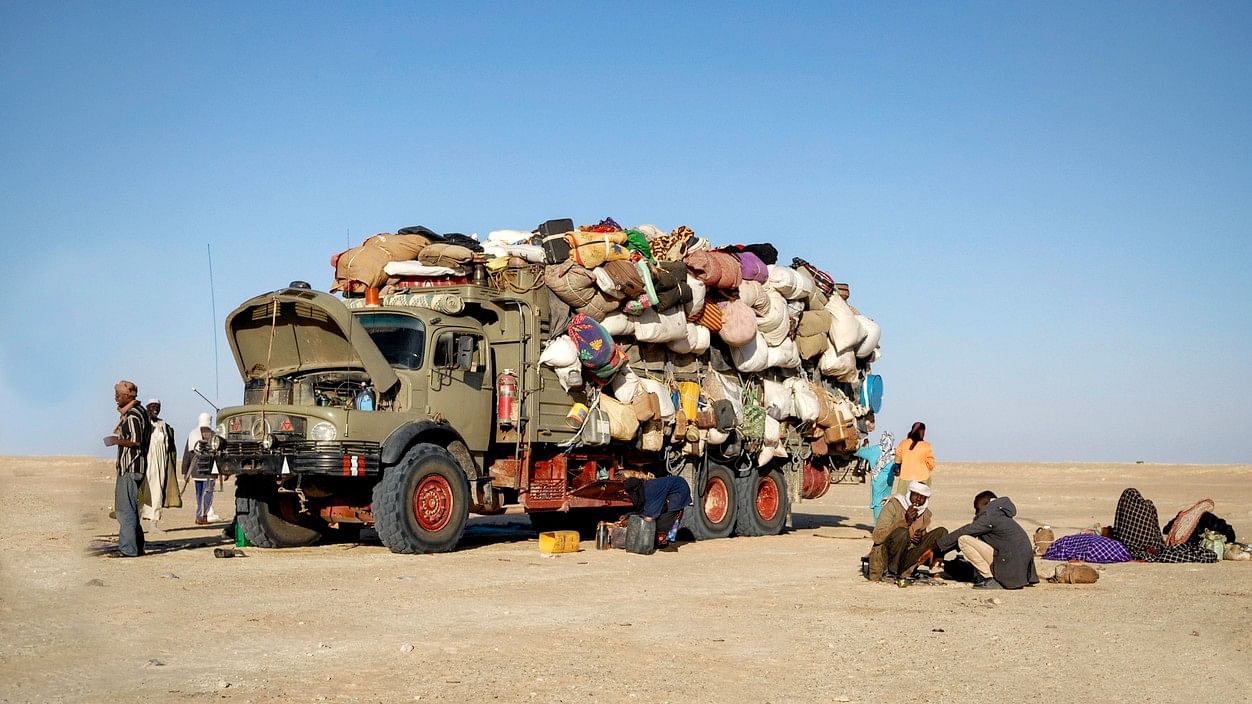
(571, 283)
(1075, 573)
(623, 425)
(441, 254)
(1043, 540)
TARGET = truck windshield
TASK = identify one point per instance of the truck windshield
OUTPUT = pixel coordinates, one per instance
(400, 338)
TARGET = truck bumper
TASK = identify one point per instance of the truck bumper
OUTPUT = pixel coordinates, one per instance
(336, 459)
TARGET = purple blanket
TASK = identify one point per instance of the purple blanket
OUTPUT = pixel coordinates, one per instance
(1089, 548)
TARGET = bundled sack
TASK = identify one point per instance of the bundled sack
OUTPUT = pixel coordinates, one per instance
(664, 394)
(840, 366)
(626, 385)
(581, 237)
(738, 324)
(594, 254)
(1075, 573)
(715, 269)
(599, 307)
(752, 294)
(696, 341)
(751, 268)
(779, 401)
(774, 323)
(785, 355)
(560, 352)
(596, 348)
(661, 327)
(671, 247)
(669, 281)
(766, 252)
(698, 290)
(444, 254)
(710, 317)
(872, 334)
(824, 282)
(623, 425)
(804, 400)
(573, 284)
(845, 331)
(619, 324)
(789, 283)
(752, 356)
(625, 277)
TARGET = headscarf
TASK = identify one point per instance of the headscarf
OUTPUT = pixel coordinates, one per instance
(887, 444)
(915, 487)
(205, 421)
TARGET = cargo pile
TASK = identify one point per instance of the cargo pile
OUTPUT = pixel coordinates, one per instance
(766, 356)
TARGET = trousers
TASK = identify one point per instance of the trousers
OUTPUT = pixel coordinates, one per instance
(126, 504)
(978, 554)
(898, 555)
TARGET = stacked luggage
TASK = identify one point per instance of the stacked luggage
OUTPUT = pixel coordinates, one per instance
(782, 354)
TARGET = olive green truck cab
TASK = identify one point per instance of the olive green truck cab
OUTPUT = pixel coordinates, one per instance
(387, 416)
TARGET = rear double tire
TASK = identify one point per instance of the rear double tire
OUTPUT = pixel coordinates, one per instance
(763, 503)
(716, 505)
(421, 505)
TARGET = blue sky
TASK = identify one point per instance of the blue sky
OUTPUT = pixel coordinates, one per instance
(1047, 207)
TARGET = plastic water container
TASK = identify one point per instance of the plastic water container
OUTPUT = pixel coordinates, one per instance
(365, 399)
(558, 541)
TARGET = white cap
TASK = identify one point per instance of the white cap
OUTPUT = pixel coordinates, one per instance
(151, 401)
(916, 487)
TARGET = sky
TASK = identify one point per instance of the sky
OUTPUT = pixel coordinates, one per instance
(1047, 206)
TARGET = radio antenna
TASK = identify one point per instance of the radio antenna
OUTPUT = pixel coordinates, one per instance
(217, 374)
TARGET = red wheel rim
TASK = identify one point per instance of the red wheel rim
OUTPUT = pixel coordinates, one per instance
(716, 500)
(432, 503)
(767, 498)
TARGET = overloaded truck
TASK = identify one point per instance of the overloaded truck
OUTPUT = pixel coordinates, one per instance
(541, 369)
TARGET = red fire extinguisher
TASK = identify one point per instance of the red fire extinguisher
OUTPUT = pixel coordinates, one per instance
(506, 393)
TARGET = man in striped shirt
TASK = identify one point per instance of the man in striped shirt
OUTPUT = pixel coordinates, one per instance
(131, 439)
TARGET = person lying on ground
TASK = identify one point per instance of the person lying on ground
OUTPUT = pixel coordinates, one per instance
(903, 535)
(663, 500)
(995, 545)
(1135, 525)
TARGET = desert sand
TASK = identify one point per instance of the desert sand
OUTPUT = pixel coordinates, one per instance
(777, 619)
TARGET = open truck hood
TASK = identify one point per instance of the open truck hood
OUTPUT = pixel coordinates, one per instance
(312, 330)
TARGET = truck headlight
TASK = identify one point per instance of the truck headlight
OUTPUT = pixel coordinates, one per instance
(221, 428)
(323, 431)
(267, 442)
(216, 442)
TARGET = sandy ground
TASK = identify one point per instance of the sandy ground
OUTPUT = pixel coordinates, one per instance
(777, 619)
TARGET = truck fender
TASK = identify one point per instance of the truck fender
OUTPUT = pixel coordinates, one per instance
(442, 434)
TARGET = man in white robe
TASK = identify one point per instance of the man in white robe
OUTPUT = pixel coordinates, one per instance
(161, 482)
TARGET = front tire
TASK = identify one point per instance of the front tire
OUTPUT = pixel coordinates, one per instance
(716, 506)
(421, 504)
(265, 526)
(763, 503)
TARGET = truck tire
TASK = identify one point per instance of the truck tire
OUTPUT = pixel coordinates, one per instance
(265, 527)
(763, 503)
(421, 505)
(716, 505)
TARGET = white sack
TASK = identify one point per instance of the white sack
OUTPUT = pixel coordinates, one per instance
(618, 324)
(774, 324)
(752, 295)
(698, 290)
(414, 268)
(807, 406)
(667, 326)
(785, 355)
(560, 352)
(873, 334)
(752, 357)
(625, 385)
(663, 391)
(845, 332)
(778, 401)
(835, 364)
(508, 237)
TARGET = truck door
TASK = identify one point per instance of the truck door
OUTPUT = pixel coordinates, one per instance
(461, 386)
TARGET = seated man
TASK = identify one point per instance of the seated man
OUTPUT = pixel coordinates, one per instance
(995, 545)
(902, 535)
(663, 500)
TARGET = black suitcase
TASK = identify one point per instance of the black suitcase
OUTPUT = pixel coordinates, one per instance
(555, 248)
(640, 534)
(556, 227)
